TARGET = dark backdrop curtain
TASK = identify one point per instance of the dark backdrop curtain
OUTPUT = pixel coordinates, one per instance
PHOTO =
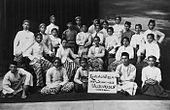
(13, 12)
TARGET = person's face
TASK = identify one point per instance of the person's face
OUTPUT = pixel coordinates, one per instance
(38, 38)
(110, 32)
(105, 25)
(26, 26)
(95, 22)
(83, 64)
(151, 62)
(97, 28)
(54, 33)
(57, 63)
(151, 26)
(78, 22)
(125, 60)
(96, 41)
(127, 27)
(52, 19)
(117, 21)
(84, 28)
(137, 29)
(125, 42)
(42, 29)
(64, 43)
(13, 68)
(149, 38)
(70, 26)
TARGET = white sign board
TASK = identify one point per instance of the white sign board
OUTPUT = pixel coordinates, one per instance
(102, 82)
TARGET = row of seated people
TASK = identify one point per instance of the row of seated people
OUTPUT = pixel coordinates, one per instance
(18, 80)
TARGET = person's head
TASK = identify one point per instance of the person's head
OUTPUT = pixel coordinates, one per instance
(64, 43)
(125, 41)
(110, 30)
(84, 28)
(127, 25)
(42, 27)
(105, 24)
(118, 19)
(57, 62)
(13, 66)
(138, 28)
(151, 60)
(97, 28)
(96, 40)
(150, 38)
(54, 32)
(78, 20)
(52, 19)
(96, 21)
(83, 62)
(151, 24)
(26, 24)
(70, 25)
(125, 58)
(38, 37)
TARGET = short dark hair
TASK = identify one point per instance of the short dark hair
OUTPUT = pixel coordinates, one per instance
(125, 54)
(57, 58)
(26, 20)
(140, 26)
(105, 21)
(128, 23)
(151, 56)
(126, 39)
(54, 29)
(152, 21)
(110, 28)
(38, 34)
(13, 63)
(152, 35)
(97, 37)
(42, 24)
(83, 59)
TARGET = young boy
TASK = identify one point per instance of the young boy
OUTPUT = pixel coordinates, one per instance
(128, 33)
(151, 78)
(51, 25)
(95, 55)
(126, 75)
(15, 81)
(83, 40)
(38, 62)
(81, 76)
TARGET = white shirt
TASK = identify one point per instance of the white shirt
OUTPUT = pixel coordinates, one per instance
(137, 39)
(159, 36)
(150, 49)
(151, 73)
(91, 29)
(55, 41)
(50, 27)
(129, 49)
(22, 41)
(82, 38)
(104, 31)
(100, 35)
(111, 41)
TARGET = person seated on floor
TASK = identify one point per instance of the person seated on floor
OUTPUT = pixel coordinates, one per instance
(128, 32)
(126, 74)
(83, 40)
(67, 59)
(38, 62)
(15, 81)
(95, 55)
(151, 79)
(57, 79)
(124, 48)
(81, 76)
(148, 49)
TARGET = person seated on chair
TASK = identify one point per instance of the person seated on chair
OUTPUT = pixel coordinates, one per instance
(151, 79)
(57, 79)
(126, 74)
(95, 55)
(81, 76)
(15, 81)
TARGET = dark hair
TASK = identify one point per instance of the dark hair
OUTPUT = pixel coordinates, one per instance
(26, 20)
(118, 18)
(125, 54)
(140, 26)
(64, 39)
(70, 23)
(54, 29)
(38, 34)
(152, 35)
(111, 28)
(83, 59)
(126, 39)
(151, 21)
(97, 37)
(13, 63)
(57, 58)
(152, 57)
(105, 21)
(128, 23)
(42, 24)
(52, 16)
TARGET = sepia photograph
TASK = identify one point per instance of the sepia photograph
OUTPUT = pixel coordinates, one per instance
(84, 55)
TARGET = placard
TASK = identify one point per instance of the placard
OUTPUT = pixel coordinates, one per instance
(102, 82)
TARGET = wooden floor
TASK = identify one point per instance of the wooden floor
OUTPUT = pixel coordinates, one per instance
(89, 105)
